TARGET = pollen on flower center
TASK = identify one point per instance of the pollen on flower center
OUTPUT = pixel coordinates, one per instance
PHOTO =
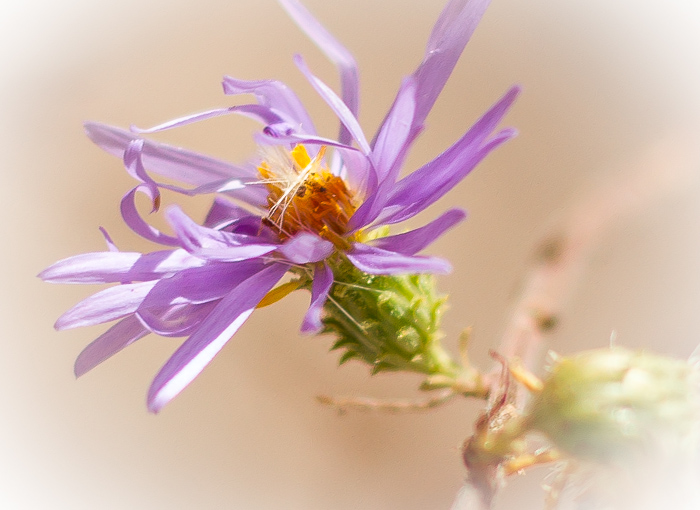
(303, 195)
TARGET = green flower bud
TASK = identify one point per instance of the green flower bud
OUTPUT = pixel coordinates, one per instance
(389, 322)
(606, 403)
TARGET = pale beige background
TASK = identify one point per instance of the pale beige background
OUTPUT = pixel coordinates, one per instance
(602, 81)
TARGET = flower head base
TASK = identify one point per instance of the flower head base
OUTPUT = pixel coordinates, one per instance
(608, 403)
(290, 212)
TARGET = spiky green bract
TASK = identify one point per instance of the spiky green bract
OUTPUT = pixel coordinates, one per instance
(607, 403)
(391, 322)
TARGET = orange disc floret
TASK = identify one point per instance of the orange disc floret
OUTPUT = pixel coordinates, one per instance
(306, 196)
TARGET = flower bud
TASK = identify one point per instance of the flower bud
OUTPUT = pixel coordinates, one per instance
(606, 403)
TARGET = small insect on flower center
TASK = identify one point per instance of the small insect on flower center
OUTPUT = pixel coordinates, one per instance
(303, 195)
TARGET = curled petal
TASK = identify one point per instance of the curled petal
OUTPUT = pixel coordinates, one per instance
(136, 223)
(323, 279)
(212, 334)
(306, 247)
(107, 305)
(116, 338)
(180, 164)
(377, 261)
(412, 242)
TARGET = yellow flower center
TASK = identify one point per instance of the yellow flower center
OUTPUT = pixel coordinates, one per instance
(305, 196)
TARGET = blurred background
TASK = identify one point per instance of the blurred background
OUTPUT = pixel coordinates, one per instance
(603, 82)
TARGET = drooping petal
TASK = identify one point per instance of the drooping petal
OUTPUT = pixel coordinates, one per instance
(323, 279)
(110, 267)
(306, 247)
(345, 115)
(377, 261)
(223, 211)
(336, 53)
(276, 95)
(200, 348)
(116, 338)
(410, 243)
(215, 244)
(107, 305)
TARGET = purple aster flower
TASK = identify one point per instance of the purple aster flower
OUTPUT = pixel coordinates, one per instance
(297, 210)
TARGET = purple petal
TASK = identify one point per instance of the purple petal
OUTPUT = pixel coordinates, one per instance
(336, 53)
(179, 164)
(223, 211)
(337, 105)
(424, 186)
(412, 242)
(110, 267)
(200, 284)
(174, 321)
(136, 223)
(395, 136)
(276, 95)
(199, 349)
(215, 244)
(323, 279)
(305, 247)
(107, 305)
(116, 338)
(450, 35)
(377, 261)
(258, 112)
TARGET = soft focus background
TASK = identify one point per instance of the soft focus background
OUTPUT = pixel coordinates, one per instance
(603, 82)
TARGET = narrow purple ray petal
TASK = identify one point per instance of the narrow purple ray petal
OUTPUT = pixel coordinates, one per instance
(337, 105)
(276, 95)
(377, 261)
(306, 247)
(265, 138)
(433, 189)
(323, 279)
(199, 349)
(116, 338)
(107, 305)
(178, 320)
(394, 136)
(261, 113)
(450, 35)
(110, 266)
(424, 186)
(412, 242)
(200, 284)
(179, 164)
(358, 171)
(336, 53)
(215, 244)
